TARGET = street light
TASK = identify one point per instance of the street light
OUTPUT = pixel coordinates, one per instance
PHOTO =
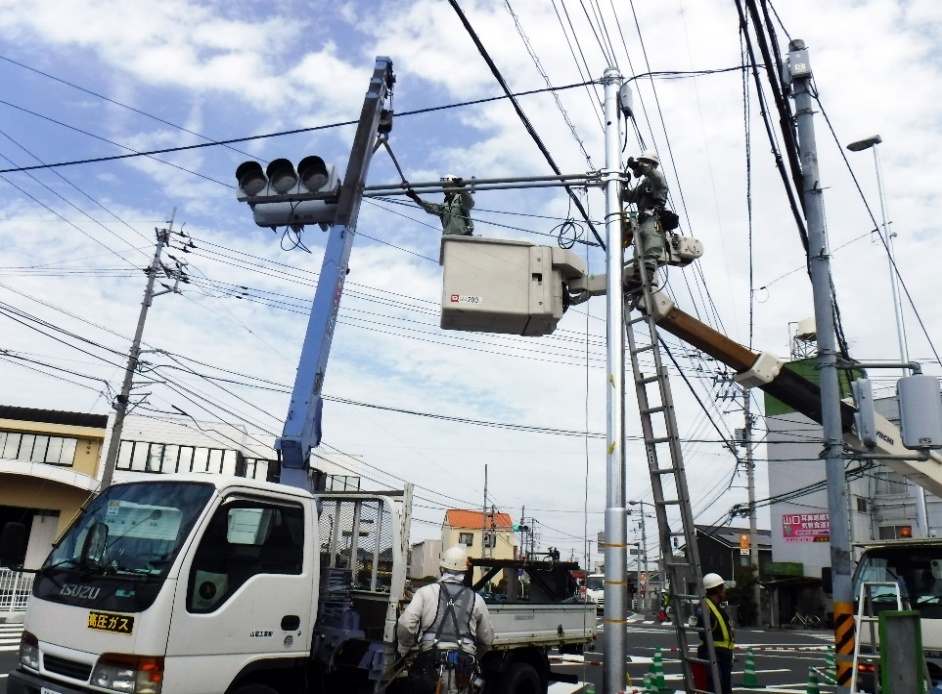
(859, 146)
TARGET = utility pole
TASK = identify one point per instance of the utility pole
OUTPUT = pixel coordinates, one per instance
(799, 70)
(616, 521)
(121, 401)
(484, 515)
(751, 485)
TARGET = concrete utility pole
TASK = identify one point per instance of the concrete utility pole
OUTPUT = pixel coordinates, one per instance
(616, 521)
(121, 401)
(820, 265)
(751, 485)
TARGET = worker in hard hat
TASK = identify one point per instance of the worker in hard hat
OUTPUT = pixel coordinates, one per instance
(455, 211)
(722, 631)
(650, 197)
(449, 625)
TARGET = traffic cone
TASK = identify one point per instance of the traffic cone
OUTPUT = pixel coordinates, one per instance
(749, 678)
(656, 670)
(830, 667)
(812, 682)
(648, 684)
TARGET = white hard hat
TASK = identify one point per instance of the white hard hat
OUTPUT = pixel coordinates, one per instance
(449, 177)
(651, 156)
(712, 581)
(454, 559)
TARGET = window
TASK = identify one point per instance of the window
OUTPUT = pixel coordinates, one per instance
(37, 448)
(245, 538)
(888, 482)
(895, 532)
(861, 504)
(343, 483)
(466, 539)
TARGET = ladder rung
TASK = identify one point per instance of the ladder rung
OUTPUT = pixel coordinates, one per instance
(664, 471)
(694, 659)
(659, 439)
(677, 564)
(644, 380)
(642, 317)
(687, 597)
(643, 348)
(653, 410)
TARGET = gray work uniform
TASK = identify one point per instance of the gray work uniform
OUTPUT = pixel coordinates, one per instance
(455, 213)
(650, 196)
(425, 617)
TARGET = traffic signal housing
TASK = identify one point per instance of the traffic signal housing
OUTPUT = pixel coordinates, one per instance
(281, 195)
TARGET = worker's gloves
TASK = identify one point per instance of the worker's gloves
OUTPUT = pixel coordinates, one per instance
(412, 194)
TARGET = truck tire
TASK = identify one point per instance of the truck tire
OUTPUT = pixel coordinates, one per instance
(519, 678)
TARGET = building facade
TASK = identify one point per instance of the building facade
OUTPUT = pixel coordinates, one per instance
(484, 535)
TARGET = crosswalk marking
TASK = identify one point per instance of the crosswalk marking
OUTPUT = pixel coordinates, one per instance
(10, 637)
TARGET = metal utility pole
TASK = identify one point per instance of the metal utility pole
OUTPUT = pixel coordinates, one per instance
(820, 266)
(616, 522)
(121, 401)
(751, 485)
(484, 516)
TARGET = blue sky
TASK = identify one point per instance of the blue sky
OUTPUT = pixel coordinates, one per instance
(225, 71)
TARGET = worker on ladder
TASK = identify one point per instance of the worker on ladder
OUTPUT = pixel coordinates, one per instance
(455, 211)
(650, 197)
(450, 626)
(722, 631)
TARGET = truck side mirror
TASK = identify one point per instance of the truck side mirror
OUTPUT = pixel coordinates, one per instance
(12, 545)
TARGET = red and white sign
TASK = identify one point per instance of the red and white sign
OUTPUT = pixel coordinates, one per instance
(806, 527)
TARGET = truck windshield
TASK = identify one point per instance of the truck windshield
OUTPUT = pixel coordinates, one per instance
(595, 583)
(138, 529)
(916, 570)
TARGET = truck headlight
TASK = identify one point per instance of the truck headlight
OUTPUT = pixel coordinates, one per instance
(29, 651)
(129, 673)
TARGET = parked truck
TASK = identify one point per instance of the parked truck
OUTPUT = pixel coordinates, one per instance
(199, 584)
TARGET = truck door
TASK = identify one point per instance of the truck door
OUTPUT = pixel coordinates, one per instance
(245, 593)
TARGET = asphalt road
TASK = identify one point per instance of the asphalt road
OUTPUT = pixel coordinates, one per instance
(781, 669)
(782, 658)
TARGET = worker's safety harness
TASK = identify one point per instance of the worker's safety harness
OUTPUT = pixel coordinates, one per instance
(442, 664)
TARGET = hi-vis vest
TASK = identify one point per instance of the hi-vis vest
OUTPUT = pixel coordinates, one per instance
(726, 634)
(452, 623)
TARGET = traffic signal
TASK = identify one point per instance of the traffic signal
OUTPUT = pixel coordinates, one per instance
(283, 196)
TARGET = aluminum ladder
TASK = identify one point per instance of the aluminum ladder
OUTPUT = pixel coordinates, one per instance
(866, 615)
(669, 485)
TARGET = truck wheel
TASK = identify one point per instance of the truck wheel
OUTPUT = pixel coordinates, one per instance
(520, 678)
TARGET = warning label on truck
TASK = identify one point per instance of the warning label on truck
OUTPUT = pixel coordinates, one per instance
(109, 621)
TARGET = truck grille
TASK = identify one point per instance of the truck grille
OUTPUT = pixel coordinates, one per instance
(67, 668)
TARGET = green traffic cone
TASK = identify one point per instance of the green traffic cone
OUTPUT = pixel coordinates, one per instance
(657, 672)
(830, 667)
(749, 678)
(812, 682)
(648, 685)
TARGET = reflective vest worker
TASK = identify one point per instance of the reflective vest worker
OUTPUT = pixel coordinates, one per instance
(455, 211)
(448, 623)
(722, 631)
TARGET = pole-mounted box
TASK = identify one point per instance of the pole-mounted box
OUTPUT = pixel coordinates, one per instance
(920, 411)
(503, 286)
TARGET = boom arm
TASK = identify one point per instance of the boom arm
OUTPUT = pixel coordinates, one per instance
(795, 391)
(302, 430)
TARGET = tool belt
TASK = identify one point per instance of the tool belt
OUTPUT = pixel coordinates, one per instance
(429, 665)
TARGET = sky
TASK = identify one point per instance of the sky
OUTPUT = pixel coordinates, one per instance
(86, 80)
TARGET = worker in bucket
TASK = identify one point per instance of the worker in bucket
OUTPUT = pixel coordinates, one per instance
(450, 627)
(650, 197)
(722, 631)
(455, 211)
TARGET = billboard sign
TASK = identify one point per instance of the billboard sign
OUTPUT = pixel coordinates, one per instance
(806, 527)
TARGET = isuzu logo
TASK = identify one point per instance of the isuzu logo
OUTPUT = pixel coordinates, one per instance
(74, 590)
